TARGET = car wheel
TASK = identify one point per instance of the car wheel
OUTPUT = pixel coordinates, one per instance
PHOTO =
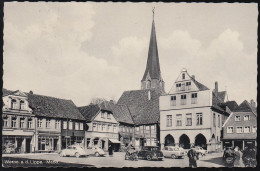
(97, 154)
(148, 157)
(173, 156)
(160, 159)
(62, 154)
(77, 155)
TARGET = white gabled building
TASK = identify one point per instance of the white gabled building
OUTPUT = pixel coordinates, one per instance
(191, 113)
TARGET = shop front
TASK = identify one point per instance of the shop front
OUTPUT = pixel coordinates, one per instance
(16, 144)
(48, 143)
(72, 137)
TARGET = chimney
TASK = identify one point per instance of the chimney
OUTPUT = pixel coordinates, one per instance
(216, 87)
(252, 103)
(31, 92)
(193, 77)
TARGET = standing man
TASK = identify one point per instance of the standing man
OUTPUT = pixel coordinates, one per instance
(193, 157)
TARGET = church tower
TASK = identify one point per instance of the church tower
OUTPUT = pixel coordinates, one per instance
(152, 75)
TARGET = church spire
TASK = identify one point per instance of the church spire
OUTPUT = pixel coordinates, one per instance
(152, 75)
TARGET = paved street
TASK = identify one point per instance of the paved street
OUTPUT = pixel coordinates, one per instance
(53, 160)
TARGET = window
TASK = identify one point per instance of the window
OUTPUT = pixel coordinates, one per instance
(239, 129)
(57, 124)
(199, 119)
(148, 84)
(76, 126)
(182, 86)
(109, 127)
(183, 99)
(13, 104)
(99, 127)
(29, 123)
(173, 100)
(188, 119)
(188, 84)
(108, 116)
(114, 128)
(230, 129)
(219, 121)
(254, 129)
(22, 105)
(141, 129)
(237, 118)
(94, 127)
(103, 127)
(131, 130)
(194, 98)
(48, 123)
(183, 76)
(80, 126)
(137, 129)
(169, 120)
(102, 115)
(247, 129)
(246, 118)
(39, 123)
(214, 119)
(22, 123)
(70, 125)
(65, 124)
(179, 119)
(147, 128)
(178, 87)
(153, 129)
(5, 120)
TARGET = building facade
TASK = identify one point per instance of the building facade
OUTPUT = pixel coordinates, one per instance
(18, 123)
(102, 127)
(191, 114)
(240, 129)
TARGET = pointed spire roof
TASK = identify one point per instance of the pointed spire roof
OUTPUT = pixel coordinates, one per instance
(152, 66)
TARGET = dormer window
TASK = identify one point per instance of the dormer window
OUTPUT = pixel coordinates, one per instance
(237, 118)
(183, 76)
(13, 104)
(148, 84)
(22, 105)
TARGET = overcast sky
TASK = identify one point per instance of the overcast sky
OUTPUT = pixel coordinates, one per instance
(79, 51)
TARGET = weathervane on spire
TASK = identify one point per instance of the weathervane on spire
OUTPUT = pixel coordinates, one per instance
(153, 12)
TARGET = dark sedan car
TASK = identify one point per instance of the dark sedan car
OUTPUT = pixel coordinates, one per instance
(151, 153)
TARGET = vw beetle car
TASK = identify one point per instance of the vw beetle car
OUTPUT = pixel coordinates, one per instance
(73, 150)
(95, 151)
(173, 152)
(150, 153)
(201, 151)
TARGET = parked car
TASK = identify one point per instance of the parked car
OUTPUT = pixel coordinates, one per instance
(150, 153)
(201, 151)
(229, 155)
(173, 152)
(73, 150)
(249, 157)
(97, 151)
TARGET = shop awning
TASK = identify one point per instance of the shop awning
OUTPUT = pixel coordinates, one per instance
(114, 141)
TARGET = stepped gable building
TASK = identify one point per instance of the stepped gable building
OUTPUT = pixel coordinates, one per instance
(102, 127)
(143, 104)
(191, 113)
(240, 129)
(37, 123)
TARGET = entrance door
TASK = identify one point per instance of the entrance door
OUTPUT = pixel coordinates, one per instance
(55, 144)
(19, 144)
(28, 145)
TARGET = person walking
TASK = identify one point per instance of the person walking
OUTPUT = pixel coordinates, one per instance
(238, 158)
(193, 157)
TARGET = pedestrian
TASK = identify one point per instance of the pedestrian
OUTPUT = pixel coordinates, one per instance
(193, 157)
(238, 162)
(110, 150)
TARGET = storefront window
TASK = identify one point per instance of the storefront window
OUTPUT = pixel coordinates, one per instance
(47, 143)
